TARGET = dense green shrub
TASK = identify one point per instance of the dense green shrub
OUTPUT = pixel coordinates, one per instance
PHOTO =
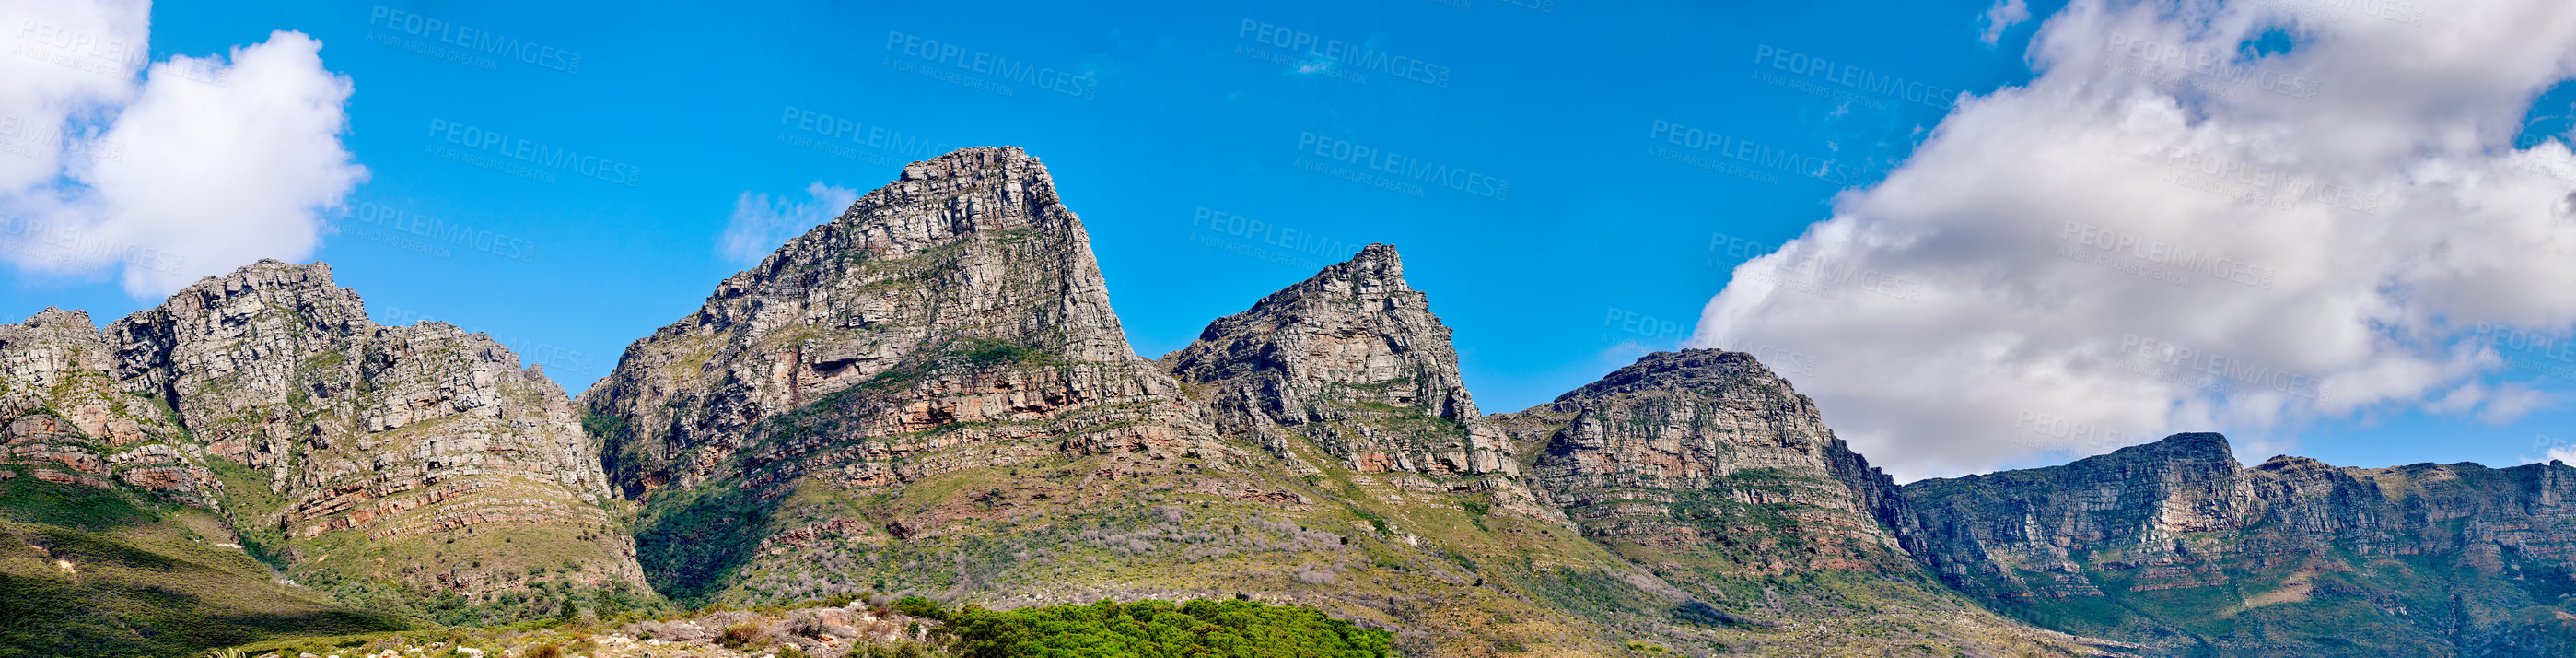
(1159, 629)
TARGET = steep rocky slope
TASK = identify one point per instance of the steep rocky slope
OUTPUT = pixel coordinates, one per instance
(69, 423)
(1714, 475)
(949, 322)
(958, 306)
(929, 394)
(1707, 451)
(418, 470)
(1352, 363)
(2175, 544)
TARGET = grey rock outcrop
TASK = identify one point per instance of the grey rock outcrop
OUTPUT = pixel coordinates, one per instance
(1353, 360)
(375, 445)
(1708, 450)
(68, 422)
(953, 319)
(961, 296)
(2425, 558)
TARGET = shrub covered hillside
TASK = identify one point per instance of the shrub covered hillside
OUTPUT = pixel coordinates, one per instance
(1158, 629)
(883, 627)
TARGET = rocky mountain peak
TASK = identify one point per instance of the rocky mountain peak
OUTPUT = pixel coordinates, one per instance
(1376, 266)
(1352, 360)
(1728, 452)
(2188, 445)
(951, 320)
(1684, 370)
(405, 436)
(57, 318)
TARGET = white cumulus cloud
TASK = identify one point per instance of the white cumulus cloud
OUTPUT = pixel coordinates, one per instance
(161, 171)
(759, 223)
(2234, 216)
(2002, 16)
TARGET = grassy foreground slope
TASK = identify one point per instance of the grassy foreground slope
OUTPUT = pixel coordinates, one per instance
(93, 572)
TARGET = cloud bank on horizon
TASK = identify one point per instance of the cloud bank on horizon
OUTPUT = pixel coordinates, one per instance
(160, 172)
(2234, 216)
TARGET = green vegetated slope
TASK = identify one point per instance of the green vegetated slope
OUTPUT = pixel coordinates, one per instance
(1159, 629)
(883, 627)
(102, 572)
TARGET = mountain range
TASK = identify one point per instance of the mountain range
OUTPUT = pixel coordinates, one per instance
(931, 395)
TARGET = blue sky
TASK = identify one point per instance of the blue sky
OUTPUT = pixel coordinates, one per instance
(1604, 214)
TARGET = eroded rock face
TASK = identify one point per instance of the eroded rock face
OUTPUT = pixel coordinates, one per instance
(375, 445)
(2021, 533)
(2426, 557)
(1353, 361)
(1707, 450)
(69, 423)
(953, 319)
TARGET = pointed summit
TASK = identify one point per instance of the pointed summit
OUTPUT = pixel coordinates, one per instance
(1352, 360)
(950, 321)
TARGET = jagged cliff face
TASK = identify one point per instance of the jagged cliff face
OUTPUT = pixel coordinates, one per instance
(962, 298)
(1352, 362)
(357, 455)
(930, 394)
(2175, 544)
(953, 320)
(1708, 452)
(68, 422)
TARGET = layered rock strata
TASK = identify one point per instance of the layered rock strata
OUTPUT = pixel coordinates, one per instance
(951, 320)
(1709, 451)
(2190, 549)
(1353, 362)
(268, 395)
